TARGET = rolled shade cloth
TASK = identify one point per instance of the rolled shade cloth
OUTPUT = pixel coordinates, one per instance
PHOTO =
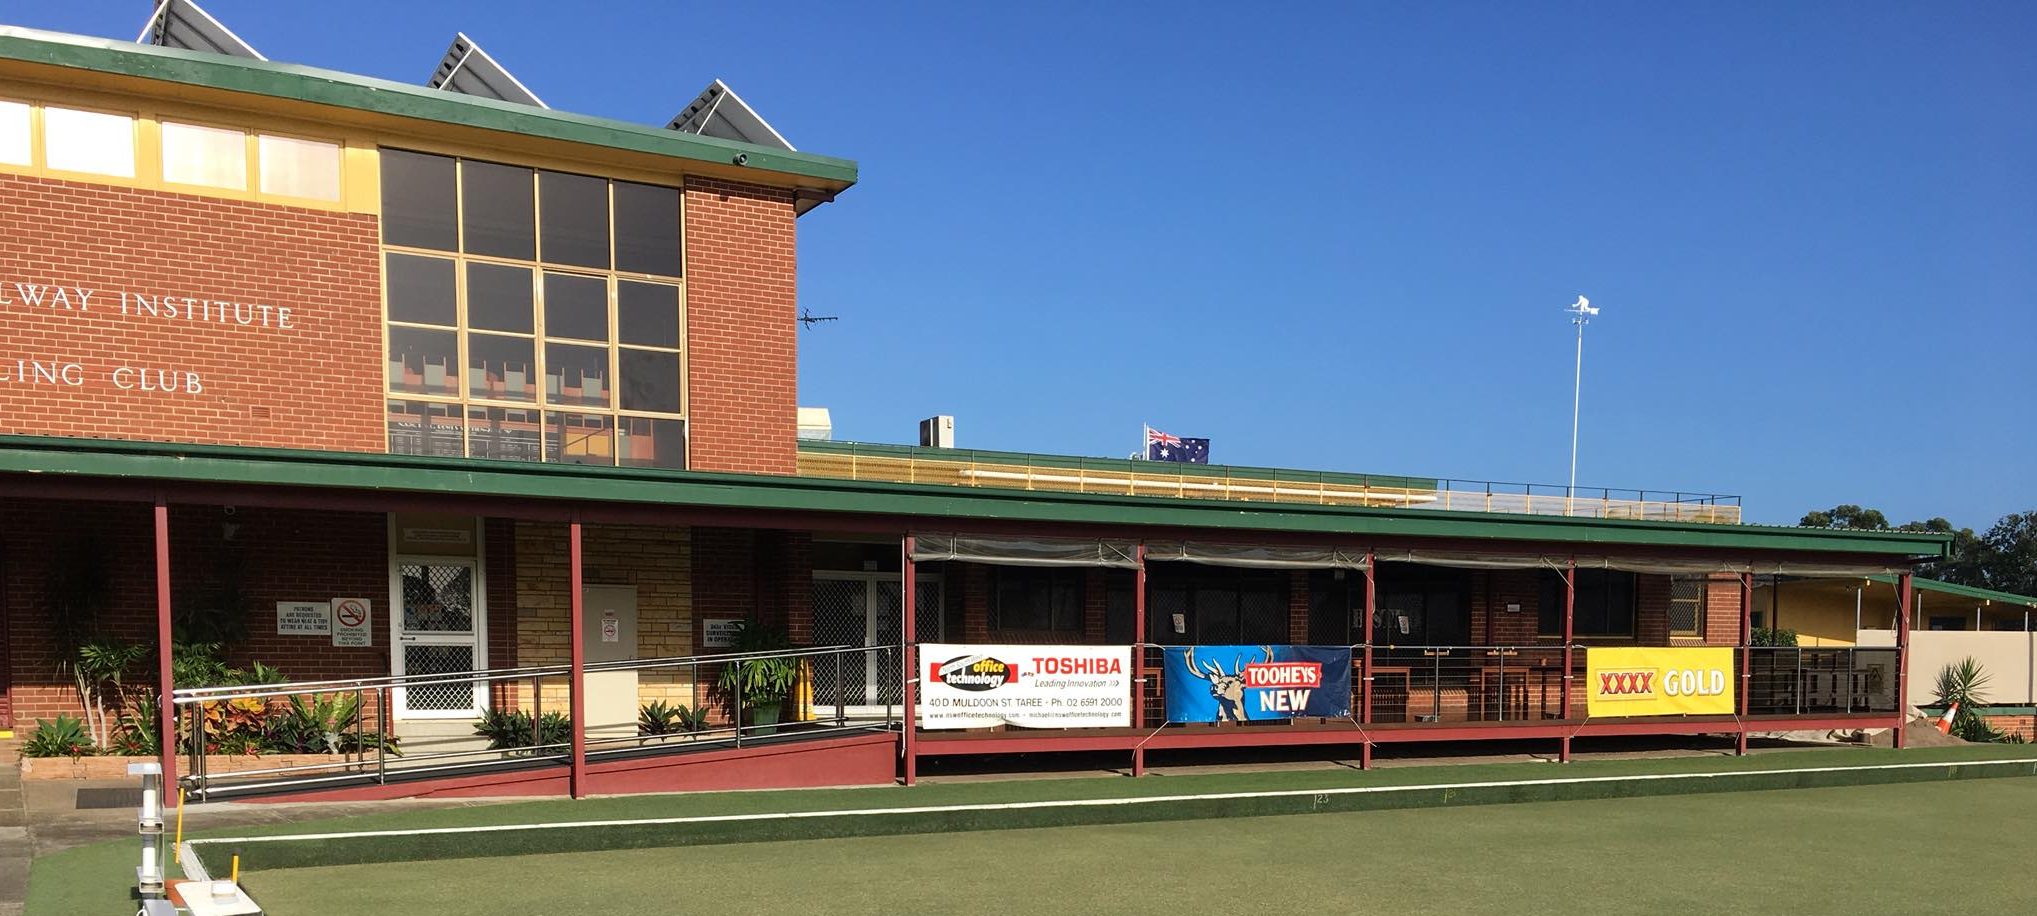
(1254, 556)
(1013, 551)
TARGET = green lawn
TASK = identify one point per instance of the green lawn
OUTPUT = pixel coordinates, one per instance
(1955, 847)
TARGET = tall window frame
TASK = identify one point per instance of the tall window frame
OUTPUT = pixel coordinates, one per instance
(615, 397)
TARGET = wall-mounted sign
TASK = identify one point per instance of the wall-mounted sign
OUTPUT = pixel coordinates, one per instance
(977, 686)
(438, 535)
(350, 618)
(303, 618)
(611, 629)
(719, 632)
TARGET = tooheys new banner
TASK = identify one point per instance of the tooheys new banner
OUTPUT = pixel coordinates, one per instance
(1658, 682)
(978, 686)
(1253, 683)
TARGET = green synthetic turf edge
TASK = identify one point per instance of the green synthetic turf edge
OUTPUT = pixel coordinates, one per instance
(363, 850)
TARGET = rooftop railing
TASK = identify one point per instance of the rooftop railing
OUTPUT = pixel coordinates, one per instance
(1161, 479)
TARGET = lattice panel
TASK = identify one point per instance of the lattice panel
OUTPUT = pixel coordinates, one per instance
(438, 599)
(428, 660)
(839, 619)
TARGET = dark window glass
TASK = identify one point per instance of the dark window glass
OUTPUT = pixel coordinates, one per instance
(647, 229)
(421, 290)
(423, 361)
(647, 314)
(502, 368)
(421, 428)
(499, 298)
(1216, 617)
(1605, 603)
(648, 443)
(496, 210)
(576, 375)
(576, 307)
(579, 438)
(650, 381)
(574, 222)
(1422, 606)
(419, 205)
(504, 433)
(1035, 599)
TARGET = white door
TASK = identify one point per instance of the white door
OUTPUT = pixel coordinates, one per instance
(862, 609)
(437, 619)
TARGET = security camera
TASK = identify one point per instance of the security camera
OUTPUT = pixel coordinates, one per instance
(742, 159)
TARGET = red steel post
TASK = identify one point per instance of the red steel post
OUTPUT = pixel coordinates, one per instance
(1569, 661)
(1746, 655)
(1139, 658)
(1365, 663)
(909, 630)
(1904, 596)
(166, 714)
(577, 681)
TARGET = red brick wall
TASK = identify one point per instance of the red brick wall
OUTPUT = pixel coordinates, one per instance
(1651, 617)
(318, 385)
(282, 555)
(1492, 591)
(1722, 611)
(742, 343)
(1096, 605)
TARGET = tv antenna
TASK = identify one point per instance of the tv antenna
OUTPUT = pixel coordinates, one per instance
(808, 319)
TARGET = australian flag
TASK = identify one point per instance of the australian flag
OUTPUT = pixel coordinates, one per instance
(1163, 447)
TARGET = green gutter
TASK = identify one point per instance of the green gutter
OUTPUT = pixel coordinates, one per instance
(363, 93)
(938, 503)
(1964, 591)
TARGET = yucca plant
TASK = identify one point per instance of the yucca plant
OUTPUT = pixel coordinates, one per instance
(1965, 682)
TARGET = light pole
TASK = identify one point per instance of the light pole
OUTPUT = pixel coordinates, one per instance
(1581, 313)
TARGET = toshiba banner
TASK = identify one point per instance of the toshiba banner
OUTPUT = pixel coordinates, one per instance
(1658, 681)
(1252, 683)
(978, 686)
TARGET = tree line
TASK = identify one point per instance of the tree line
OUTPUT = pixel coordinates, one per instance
(2003, 558)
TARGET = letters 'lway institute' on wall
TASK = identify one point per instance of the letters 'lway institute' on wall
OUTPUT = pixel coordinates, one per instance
(458, 404)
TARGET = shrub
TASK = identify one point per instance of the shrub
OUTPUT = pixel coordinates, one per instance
(321, 724)
(509, 730)
(135, 736)
(763, 682)
(1771, 636)
(659, 718)
(65, 737)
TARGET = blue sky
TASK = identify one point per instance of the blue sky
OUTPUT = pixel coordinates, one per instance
(1341, 236)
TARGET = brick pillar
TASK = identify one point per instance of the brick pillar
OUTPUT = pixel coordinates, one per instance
(1093, 606)
(975, 602)
(1297, 607)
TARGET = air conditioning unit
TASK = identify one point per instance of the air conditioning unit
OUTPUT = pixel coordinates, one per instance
(937, 432)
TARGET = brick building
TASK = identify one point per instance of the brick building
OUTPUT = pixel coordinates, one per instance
(364, 380)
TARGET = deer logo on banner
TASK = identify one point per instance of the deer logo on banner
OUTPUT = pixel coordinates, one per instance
(1227, 689)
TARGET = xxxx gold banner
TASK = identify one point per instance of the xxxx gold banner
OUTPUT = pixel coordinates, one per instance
(1658, 682)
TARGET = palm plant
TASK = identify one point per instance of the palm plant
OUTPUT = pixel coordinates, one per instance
(97, 672)
(1965, 683)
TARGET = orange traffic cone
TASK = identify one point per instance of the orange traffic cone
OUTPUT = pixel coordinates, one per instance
(1945, 721)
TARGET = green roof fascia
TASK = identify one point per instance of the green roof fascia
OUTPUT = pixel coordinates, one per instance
(1964, 591)
(348, 90)
(1118, 465)
(949, 504)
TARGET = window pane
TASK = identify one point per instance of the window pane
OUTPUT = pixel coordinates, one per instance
(579, 438)
(209, 156)
(497, 211)
(647, 313)
(14, 133)
(88, 141)
(504, 433)
(423, 361)
(576, 307)
(648, 443)
(647, 229)
(420, 428)
(502, 368)
(300, 168)
(574, 224)
(499, 298)
(650, 380)
(418, 201)
(421, 290)
(576, 375)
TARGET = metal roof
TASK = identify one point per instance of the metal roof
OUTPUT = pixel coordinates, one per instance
(337, 89)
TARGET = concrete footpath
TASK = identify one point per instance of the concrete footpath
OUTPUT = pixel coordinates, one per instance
(15, 851)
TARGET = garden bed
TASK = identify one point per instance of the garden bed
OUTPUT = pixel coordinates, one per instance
(109, 767)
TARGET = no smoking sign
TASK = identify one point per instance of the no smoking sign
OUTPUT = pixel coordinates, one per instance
(350, 622)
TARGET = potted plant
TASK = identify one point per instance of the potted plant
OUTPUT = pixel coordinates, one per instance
(758, 686)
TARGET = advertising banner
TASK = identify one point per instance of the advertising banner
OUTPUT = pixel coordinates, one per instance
(1658, 681)
(1255, 683)
(977, 686)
